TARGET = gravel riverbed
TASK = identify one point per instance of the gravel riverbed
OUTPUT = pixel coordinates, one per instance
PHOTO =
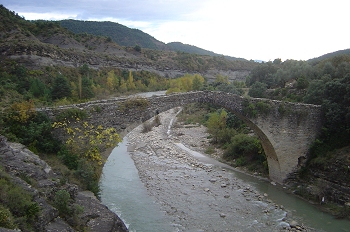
(195, 195)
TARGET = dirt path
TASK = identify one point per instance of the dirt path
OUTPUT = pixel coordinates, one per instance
(198, 196)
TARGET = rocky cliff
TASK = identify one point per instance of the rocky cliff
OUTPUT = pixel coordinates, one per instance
(21, 164)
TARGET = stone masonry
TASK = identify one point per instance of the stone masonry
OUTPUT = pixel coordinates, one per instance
(285, 129)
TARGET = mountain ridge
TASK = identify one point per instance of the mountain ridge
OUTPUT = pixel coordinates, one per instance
(126, 36)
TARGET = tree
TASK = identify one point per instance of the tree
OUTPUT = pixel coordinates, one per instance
(38, 88)
(137, 48)
(130, 82)
(123, 87)
(258, 89)
(315, 93)
(61, 88)
(277, 61)
(216, 123)
(302, 82)
(197, 82)
(112, 80)
(86, 88)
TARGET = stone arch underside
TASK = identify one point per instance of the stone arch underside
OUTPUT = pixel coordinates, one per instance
(271, 156)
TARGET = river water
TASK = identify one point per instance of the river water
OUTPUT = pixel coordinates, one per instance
(124, 193)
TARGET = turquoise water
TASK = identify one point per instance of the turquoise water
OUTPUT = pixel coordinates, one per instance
(124, 193)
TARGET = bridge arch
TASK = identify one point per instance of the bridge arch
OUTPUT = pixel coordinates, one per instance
(286, 130)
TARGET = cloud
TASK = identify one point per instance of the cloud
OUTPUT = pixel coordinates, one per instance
(138, 10)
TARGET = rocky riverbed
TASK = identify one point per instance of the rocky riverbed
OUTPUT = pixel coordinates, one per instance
(196, 195)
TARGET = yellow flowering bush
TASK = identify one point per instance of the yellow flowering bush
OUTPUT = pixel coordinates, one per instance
(87, 140)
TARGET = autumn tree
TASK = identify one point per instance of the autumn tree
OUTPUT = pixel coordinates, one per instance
(130, 85)
(197, 82)
(112, 81)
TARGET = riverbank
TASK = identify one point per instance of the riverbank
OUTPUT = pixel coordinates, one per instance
(197, 195)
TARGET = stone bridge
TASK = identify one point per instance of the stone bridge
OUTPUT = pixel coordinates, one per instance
(285, 129)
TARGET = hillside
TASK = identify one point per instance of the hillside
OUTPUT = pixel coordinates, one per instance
(329, 55)
(125, 36)
(120, 34)
(42, 43)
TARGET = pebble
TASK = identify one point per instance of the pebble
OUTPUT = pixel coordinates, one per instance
(163, 152)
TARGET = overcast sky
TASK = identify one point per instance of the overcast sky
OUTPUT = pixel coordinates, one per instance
(251, 29)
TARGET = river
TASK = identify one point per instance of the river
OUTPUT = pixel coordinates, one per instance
(173, 188)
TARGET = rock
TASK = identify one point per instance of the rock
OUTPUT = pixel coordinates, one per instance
(213, 180)
(17, 159)
(283, 225)
(223, 185)
(293, 224)
(97, 216)
(222, 215)
(58, 225)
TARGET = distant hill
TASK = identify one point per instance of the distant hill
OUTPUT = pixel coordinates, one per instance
(125, 36)
(122, 35)
(180, 47)
(329, 55)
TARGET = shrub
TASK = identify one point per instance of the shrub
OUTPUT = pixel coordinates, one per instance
(18, 202)
(258, 90)
(263, 107)
(6, 218)
(138, 103)
(87, 174)
(61, 202)
(72, 113)
(250, 110)
(68, 158)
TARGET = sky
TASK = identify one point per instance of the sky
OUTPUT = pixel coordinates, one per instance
(250, 29)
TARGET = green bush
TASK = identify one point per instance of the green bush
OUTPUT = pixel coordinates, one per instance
(61, 202)
(88, 176)
(246, 150)
(263, 107)
(250, 110)
(34, 133)
(6, 218)
(18, 202)
(68, 158)
(138, 103)
(72, 113)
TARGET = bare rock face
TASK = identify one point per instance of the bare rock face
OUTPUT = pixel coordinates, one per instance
(17, 161)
